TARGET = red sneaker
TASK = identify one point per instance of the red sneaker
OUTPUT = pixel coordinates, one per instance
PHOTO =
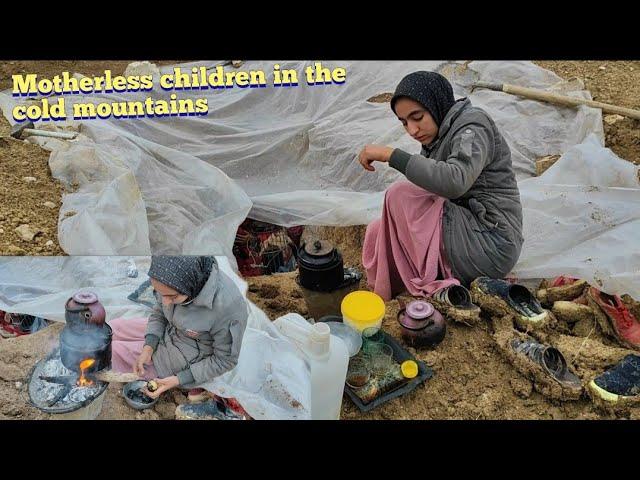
(625, 325)
(563, 280)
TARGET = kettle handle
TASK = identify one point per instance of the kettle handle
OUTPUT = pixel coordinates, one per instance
(402, 304)
(403, 308)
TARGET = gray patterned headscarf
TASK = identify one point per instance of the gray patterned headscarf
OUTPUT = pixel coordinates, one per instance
(430, 89)
(185, 274)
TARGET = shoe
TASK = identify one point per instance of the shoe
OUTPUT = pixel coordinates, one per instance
(620, 383)
(209, 410)
(572, 311)
(544, 365)
(501, 298)
(454, 302)
(15, 324)
(198, 395)
(562, 288)
(549, 358)
(624, 326)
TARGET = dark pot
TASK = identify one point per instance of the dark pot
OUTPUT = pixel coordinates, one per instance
(77, 346)
(85, 335)
(320, 266)
(422, 325)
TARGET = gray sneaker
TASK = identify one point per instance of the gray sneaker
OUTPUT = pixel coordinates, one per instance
(550, 359)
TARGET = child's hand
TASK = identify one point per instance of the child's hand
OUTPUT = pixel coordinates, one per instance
(374, 153)
(143, 359)
(164, 384)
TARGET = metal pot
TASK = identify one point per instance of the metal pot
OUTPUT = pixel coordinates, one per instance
(422, 325)
(320, 266)
(85, 335)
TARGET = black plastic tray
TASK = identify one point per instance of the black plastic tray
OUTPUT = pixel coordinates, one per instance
(399, 355)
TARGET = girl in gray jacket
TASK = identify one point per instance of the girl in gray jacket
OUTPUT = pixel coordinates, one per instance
(194, 332)
(458, 217)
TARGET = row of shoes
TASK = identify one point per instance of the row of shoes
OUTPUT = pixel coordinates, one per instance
(565, 299)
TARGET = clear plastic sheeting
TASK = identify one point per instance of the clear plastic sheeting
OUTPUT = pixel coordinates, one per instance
(41, 286)
(162, 185)
(582, 218)
(272, 378)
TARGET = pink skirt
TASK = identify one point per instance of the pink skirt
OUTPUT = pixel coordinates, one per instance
(403, 250)
(127, 343)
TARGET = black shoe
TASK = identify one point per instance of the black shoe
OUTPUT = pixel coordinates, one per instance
(455, 303)
(622, 382)
(501, 298)
(550, 359)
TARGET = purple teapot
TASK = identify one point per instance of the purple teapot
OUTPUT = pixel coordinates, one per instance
(422, 325)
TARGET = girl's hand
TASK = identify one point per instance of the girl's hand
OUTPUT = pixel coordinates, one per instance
(374, 153)
(164, 384)
(143, 359)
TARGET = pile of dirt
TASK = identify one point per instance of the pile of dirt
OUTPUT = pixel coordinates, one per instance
(614, 82)
(30, 198)
(24, 201)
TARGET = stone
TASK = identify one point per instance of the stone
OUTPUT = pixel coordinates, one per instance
(611, 119)
(26, 232)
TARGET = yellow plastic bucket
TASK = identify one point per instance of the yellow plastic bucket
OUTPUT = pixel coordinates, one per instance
(362, 310)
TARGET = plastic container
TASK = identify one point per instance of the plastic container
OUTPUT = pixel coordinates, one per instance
(351, 338)
(363, 310)
(328, 357)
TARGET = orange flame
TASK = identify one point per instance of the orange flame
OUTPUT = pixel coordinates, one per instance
(84, 381)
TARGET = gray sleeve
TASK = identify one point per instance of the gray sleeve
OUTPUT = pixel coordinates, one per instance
(471, 150)
(155, 327)
(226, 344)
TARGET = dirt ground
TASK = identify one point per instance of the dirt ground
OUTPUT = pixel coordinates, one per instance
(473, 379)
(615, 82)
(22, 202)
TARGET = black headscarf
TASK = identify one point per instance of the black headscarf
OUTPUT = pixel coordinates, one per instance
(185, 274)
(429, 89)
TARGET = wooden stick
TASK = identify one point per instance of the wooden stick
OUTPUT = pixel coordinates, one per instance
(565, 100)
(110, 376)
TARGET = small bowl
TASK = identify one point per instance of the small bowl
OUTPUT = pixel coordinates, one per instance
(133, 387)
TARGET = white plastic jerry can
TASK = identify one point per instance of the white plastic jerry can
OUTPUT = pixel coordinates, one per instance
(328, 357)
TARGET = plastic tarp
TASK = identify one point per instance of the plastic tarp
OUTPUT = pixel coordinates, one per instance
(271, 379)
(288, 155)
(582, 218)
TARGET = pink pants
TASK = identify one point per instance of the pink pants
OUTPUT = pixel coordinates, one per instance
(127, 343)
(403, 250)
